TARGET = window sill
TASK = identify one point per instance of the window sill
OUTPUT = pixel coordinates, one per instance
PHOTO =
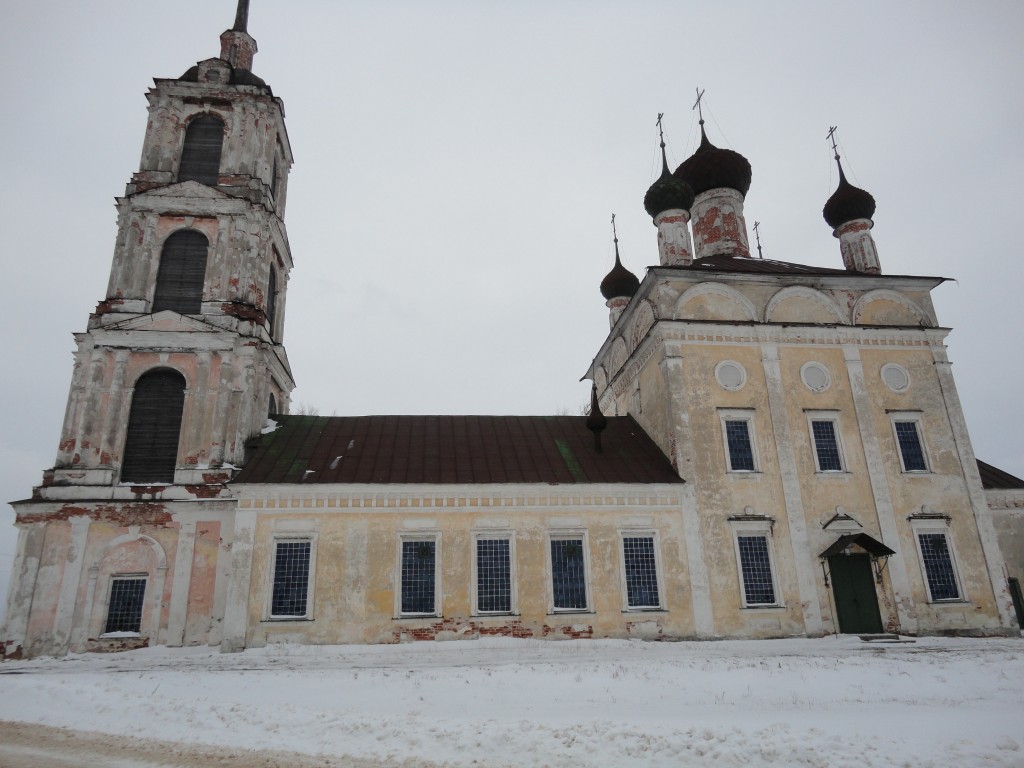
(644, 610)
(763, 608)
(118, 635)
(956, 601)
(280, 619)
(496, 615)
(571, 612)
(917, 472)
(414, 616)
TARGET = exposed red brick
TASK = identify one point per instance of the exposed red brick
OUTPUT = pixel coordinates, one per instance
(148, 513)
(244, 311)
(205, 491)
(107, 306)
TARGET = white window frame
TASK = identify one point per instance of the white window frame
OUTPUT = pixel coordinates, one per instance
(832, 416)
(495, 535)
(283, 537)
(915, 418)
(566, 535)
(414, 536)
(144, 576)
(641, 533)
(745, 415)
(937, 526)
(753, 528)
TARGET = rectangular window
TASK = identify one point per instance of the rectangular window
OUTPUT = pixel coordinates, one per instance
(124, 613)
(756, 570)
(290, 595)
(568, 574)
(419, 576)
(826, 445)
(938, 566)
(908, 435)
(493, 575)
(739, 445)
(641, 572)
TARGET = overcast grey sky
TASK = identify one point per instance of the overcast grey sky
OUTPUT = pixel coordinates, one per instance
(457, 164)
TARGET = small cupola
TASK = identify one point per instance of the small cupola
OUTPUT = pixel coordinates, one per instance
(668, 202)
(720, 180)
(619, 285)
(848, 211)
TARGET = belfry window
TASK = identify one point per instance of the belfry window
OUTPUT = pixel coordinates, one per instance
(182, 273)
(271, 300)
(200, 154)
(154, 425)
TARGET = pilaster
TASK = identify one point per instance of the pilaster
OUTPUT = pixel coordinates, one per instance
(897, 567)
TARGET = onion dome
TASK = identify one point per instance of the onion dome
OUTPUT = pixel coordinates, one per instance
(620, 281)
(847, 202)
(668, 192)
(710, 168)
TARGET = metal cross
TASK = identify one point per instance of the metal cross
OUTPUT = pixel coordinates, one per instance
(696, 105)
(831, 136)
(615, 235)
(757, 235)
(661, 134)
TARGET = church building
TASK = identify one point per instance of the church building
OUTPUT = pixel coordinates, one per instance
(772, 449)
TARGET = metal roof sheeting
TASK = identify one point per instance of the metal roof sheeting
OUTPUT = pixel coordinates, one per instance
(454, 450)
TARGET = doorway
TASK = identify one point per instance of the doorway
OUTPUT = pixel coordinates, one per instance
(853, 586)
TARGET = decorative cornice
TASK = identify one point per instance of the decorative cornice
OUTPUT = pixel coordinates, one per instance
(454, 498)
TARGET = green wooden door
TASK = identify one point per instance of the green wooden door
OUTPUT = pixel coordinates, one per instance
(853, 585)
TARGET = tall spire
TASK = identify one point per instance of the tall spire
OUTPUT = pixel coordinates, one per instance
(242, 17)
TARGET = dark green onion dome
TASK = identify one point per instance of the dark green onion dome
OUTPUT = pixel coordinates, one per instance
(668, 193)
(711, 168)
(847, 203)
(620, 281)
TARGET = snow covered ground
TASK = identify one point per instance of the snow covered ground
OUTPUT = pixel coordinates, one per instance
(828, 702)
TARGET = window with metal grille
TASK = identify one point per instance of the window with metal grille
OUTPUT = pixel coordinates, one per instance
(124, 614)
(418, 575)
(741, 451)
(200, 154)
(911, 449)
(756, 570)
(938, 566)
(826, 446)
(182, 273)
(154, 426)
(641, 572)
(291, 578)
(568, 575)
(493, 576)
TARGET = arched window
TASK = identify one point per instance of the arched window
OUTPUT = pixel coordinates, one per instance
(200, 155)
(154, 425)
(271, 299)
(182, 273)
(272, 405)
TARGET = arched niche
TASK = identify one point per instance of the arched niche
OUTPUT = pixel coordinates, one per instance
(887, 307)
(800, 304)
(131, 556)
(714, 301)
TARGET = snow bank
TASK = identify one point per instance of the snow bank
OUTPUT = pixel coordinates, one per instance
(831, 702)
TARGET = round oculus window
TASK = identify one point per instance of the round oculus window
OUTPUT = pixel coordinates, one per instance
(895, 377)
(730, 375)
(816, 377)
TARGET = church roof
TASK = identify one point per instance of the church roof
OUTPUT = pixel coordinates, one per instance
(991, 477)
(733, 263)
(455, 450)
